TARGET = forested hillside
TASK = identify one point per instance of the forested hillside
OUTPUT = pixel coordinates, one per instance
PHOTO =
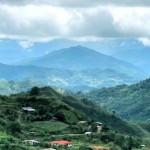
(128, 102)
(43, 114)
(21, 78)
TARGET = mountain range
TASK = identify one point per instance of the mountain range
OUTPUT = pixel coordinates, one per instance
(82, 58)
(130, 50)
(76, 68)
(21, 78)
(140, 59)
(129, 102)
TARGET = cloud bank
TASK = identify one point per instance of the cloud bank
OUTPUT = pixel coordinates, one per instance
(78, 3)
(44, 20)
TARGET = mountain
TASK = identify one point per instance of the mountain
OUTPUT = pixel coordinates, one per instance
(137, 56)
(129, 102)
(44, 115)
(20, 50)
(81, 58)
(129, 50)
(49, 103)
(20, 78)
(8, 87)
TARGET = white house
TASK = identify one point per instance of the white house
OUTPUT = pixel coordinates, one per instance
(31, 142)
(28, 109)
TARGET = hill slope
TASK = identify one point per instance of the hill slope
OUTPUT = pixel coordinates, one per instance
(76, 80)
(47, 103)
(82, 58)
(129, 102)
(56, 117)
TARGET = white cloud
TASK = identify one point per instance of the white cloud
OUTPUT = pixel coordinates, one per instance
(25, 44)
(29, 21)
(145, 41)
(97, 22)
(132, 22)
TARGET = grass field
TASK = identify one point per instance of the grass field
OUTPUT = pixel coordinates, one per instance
(49, 126)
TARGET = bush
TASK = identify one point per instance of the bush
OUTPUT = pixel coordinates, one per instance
(114, 147)
(35, 91)
(14, 128)
(2, 122)
(85, 148)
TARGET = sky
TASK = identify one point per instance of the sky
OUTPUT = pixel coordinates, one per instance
(32, 21)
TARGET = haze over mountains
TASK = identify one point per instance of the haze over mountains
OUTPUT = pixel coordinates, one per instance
(25, 77)
(81, 58)
(128, 50)
(77, 68)
(95, 50)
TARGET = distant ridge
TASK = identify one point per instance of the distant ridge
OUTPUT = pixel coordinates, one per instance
(68, 79)
(130, 102)
(81, 58)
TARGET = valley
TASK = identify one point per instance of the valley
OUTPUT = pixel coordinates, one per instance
(65, 69)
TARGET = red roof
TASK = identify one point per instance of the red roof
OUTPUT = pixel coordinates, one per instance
(62, 142)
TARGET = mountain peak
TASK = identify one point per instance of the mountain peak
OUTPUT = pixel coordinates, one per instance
(79, 58)
(77, 47)
(79, 51)
(80, 47)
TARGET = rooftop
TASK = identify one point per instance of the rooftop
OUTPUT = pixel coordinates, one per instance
(61, 142)
(28, 108)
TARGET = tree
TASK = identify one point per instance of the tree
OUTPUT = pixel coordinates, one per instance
(14, 128)
(85, 148)
(130, 144)
(35, 91)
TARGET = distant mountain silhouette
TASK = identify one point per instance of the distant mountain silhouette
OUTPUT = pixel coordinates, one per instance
(75, 80)
(138, 57)
(80, 58)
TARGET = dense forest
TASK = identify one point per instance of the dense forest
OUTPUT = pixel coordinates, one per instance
(129, 102)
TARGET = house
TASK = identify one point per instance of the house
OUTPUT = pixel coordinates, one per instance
(32, 133)
(61, 143)
(88, 133)
(28, 109)
(142, 145)
(54, 119)
(98, 123)
(99, 128)
(82, 122)
(31, 142)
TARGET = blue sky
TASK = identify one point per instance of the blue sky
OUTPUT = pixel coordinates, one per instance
(88, 20)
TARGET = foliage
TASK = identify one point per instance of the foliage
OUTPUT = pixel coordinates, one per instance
(35, 91)
(56, 115)
(14, 128)
(128, 102)
(85, 148)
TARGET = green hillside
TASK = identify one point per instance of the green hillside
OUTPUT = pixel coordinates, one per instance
(56, 117)
(21, 78)
(128, 102)
(92, 111)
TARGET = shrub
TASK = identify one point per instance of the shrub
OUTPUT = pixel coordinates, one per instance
(13, 128)
(85, 148)
(35, 91)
